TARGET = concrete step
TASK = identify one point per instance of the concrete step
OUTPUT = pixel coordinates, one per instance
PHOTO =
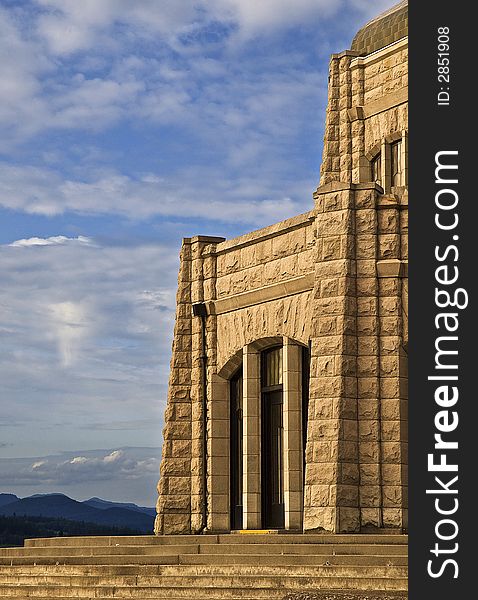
(206, 559)
(244, 538)
(119, 559)
(211, 591)
(158, 571)
(208, 549)
(338, 594)
(222, 549)
(292, 560)
(100, 550)
(257, 561)
(122, 540)
(188, 579)
(312, 538)
(169, 597)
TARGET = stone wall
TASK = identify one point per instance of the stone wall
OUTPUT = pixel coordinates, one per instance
(333, 280)
(357, 446)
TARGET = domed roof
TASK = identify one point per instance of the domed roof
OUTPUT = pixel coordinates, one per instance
(390, 26)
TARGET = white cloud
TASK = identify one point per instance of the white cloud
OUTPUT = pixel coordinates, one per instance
(198, 193)
(70, 26)
(252, 16)
(45, 56)
(78, 460)
(51, 241)
(122, 474)
(70, 323)
(37, 464)
(114, 456)
(84, 346)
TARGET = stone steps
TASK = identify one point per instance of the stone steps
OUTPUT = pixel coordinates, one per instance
(304, 549)
(294, 560)
(220, 581)
(213, 567)
(212, 592)
(64, 551)
(249, 538)
(207, 549)
(205, 559)
(307, 570)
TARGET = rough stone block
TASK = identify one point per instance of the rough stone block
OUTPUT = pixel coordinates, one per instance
(349, 520)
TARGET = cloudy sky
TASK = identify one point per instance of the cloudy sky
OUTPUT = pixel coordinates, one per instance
(126, 125)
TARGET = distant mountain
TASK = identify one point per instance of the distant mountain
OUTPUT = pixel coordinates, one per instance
(61, 506)
(7, 499)
(103, 504)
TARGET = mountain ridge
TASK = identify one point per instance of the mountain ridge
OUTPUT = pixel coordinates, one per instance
(57, 505)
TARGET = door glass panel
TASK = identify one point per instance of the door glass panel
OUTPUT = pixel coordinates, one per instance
(236, 450)
(277, 451)
(272, 441)
(272, 368)
(272, 460)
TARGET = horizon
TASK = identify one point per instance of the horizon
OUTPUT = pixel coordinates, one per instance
(40, 495)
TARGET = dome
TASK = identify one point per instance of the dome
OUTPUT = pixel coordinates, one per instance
(383, 30)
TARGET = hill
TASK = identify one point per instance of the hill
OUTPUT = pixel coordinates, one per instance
(63, 507)
(7, 499)
(102, 504)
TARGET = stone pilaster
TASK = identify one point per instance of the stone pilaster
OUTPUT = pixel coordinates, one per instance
(174, 487)
(360, 165)
(251, 439)
(368, 361)
(331, 478)
(203, 274)
(218, 486)
(181, 486)
(293, 457)
(337, 154)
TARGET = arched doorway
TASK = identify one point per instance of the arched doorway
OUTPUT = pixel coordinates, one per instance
(267, 412)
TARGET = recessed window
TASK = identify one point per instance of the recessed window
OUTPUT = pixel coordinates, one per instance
(376, 166)
(386, 163)
(395, 163)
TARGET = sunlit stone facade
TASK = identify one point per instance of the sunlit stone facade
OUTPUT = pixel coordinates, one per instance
(287, 402)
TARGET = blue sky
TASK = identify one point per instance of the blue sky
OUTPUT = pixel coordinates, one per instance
(126, 125)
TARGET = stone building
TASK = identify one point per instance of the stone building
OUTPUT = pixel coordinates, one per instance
(287, 403)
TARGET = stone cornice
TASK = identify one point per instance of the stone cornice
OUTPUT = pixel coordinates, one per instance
(377, 106)
(282, 289)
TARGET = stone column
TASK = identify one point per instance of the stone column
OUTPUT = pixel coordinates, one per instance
(218, 455)
(252, 439)
(368, 362)
(332, 478)
(203, 277)
(197, 459)
(293, 463)
(390, 344)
